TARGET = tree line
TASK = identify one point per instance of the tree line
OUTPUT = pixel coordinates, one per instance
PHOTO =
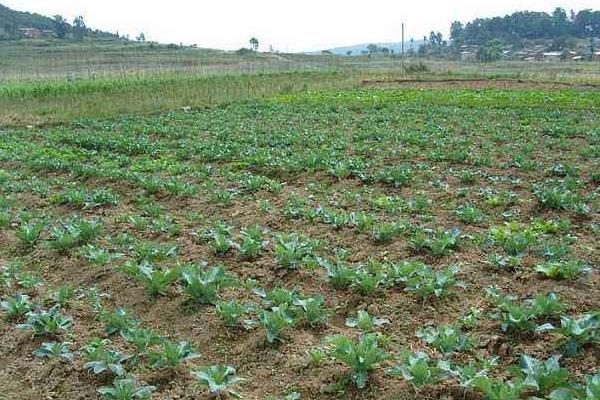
(527, 25)
(561, 31)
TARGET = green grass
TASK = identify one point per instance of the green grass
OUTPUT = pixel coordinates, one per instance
(112, 78)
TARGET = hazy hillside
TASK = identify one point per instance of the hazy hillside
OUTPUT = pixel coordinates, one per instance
(23, 25)
(358, 49)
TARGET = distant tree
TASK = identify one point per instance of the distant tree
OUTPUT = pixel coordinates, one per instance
(60, 26)
(349, 53)
(435, 39)
(11, 30)
(141, 37)
(79, 27)
(456, 30)
(372, 49)
(326, 53)
(560, 22)
(491, 51)
(254, 43)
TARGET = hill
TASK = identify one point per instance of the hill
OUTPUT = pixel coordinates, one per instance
(24, 25)
(363, 48)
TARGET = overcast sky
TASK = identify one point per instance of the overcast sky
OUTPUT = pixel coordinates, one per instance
(287, 25)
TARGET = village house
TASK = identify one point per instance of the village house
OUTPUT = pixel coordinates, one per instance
(552, 56)
(467, 56)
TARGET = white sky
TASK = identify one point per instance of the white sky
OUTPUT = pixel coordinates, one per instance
(288, 25)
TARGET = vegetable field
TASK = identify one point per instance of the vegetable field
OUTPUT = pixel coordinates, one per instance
(359, 244)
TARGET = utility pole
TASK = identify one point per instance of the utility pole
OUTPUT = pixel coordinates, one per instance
(403, 46)
(403, 40)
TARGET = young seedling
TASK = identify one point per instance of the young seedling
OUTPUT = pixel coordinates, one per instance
(418, 369)
(563, 269)
(119, 321)
(543, 376)
(230, 312)
(55, 350)
(361, 356)
(171, 355)
(126, 389)
(100, 359)
(202, 284)
(445, 338)
(219, 380)
(275, 321)
(366, 322)
(46, 323)
(156, 280)
(16, 307)
(312, 310)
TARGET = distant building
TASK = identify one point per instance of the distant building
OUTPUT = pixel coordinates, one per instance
(35, 33)
(552, 56)
(596, 56)
(467, 56)
(31, 33)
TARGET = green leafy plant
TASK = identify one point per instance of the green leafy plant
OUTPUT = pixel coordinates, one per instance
(126, 389)
(543, 376)
(469, 214)
(397, 176)
(54, 350)
(219, 238)
(367, 281)
(119, 321)
(230, 312)
(202, 284)
(560, 198)
(338, 273)
(577, 331)
(497, 389)
(513, 238)
(17, 306)
(63, 295)
(252, 243)
(275, 321)
(445, 338)
(219, 379)
(418, 369)
(361, 356)
(30, 233)
(101, 359)
(523, 317)
(563, 269)
(141, 339)
(365, 322)
(440, 243)
(171, 355)
(312, 310)
(293, 250)
(427, 282)
(46, 323)
(156, 280)
(74, 233)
